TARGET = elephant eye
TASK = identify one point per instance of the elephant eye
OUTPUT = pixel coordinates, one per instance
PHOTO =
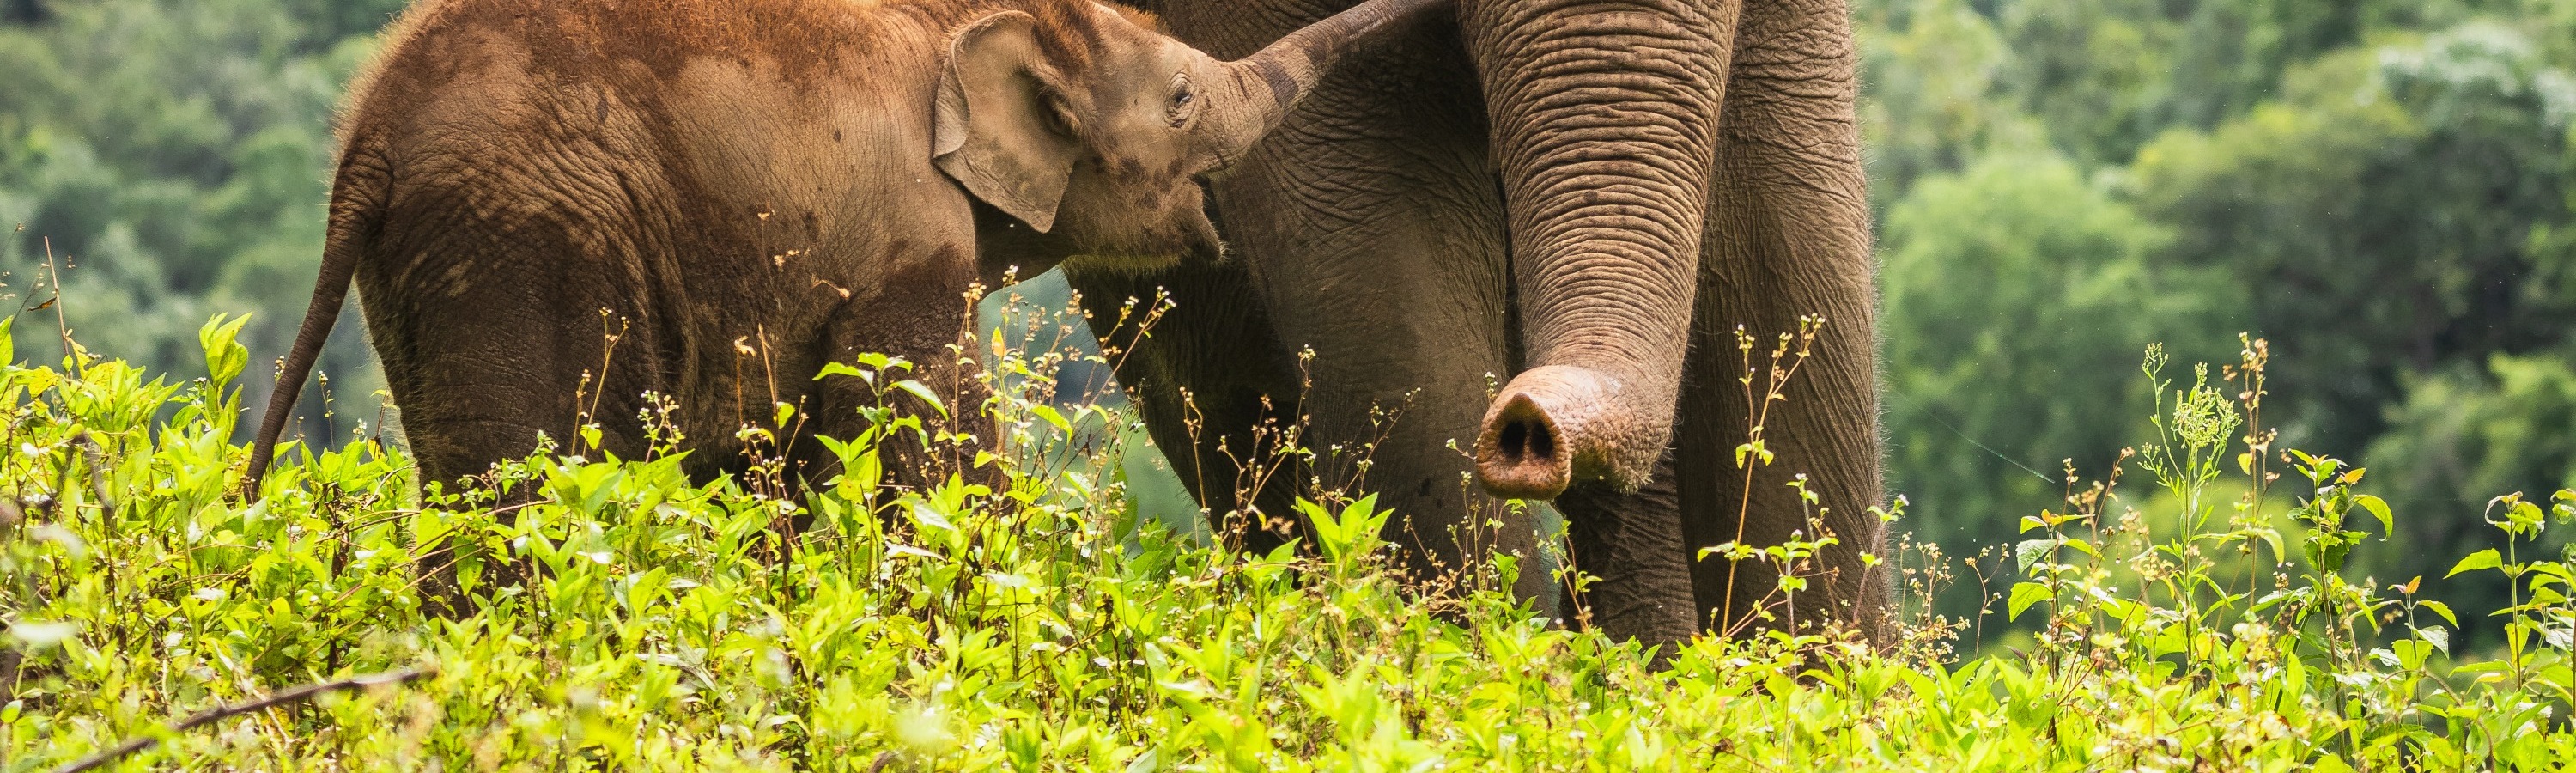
(1059, 116)
(1184, 101)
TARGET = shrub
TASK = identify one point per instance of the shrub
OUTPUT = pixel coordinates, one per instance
(1037, 623)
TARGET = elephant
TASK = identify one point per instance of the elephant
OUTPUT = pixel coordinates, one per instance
(589, 209)
(1530, 238)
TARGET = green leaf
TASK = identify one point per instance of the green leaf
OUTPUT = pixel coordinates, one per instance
(1053, 417)
(899, 549)
(36, 635)
(225, 358)
(2387, 523)
(1147, 762)
(928, 516)
(1327, 528)
(2484, 559)
(916, 389)
(2481, 668)
(1746, 450)
(2440, 638)
(2029, 551)
(2329, 555)
(2442, 609)
(2525, 513)
(2025, 594)
(2411, 652)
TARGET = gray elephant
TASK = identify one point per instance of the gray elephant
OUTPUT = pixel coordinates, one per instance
(1587, 198)
(553, 209)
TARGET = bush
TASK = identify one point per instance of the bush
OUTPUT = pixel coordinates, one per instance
(1038, 624)
(2457, 439)
(1990, 389)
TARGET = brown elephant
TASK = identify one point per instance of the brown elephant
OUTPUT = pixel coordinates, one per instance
(1585, 198)
(551, 209)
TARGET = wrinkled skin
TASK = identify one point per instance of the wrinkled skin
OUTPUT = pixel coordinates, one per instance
(1582, 200)
(552, 209)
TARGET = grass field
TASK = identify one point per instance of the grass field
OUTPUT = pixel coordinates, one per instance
(1044, 625)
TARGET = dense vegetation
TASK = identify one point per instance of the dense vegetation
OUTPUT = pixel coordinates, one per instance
(175, 155)
(2381, 188)
(632, 620)
(2384, 190)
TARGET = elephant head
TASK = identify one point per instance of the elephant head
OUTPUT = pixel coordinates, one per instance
(1604, 121)
(1090, 127)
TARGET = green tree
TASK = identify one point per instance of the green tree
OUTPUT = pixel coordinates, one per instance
(2096, 72)
(174, 155)
(2460, 438)
(1929, 105)
(2018, 295)
(2384, 217)
(2465, 436)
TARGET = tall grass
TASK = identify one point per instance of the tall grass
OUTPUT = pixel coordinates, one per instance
(1034, 621)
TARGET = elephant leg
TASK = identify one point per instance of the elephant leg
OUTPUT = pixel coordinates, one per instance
(1211, 384)
(1787, 235)
(1368, 228)
(478, 387)
(491, 341)
(1632, 543)
(1397, 427)
(1374, 227)
(933, 325)
(467, 408)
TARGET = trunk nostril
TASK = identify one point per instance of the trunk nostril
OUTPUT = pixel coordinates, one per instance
(1527, 441)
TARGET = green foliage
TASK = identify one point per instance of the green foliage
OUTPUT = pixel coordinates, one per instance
(2504, 430)
(2300, 196)
(630, 619)
(2393, 687)
(2063, 286)
(175, 154)
(2464, 436)
(2385, 189)
(2097, 73)
(1934, 68)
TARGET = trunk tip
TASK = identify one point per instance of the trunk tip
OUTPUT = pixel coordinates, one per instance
(1521, 454)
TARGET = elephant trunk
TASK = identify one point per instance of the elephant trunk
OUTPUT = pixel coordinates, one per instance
(1270, 81)
(1604, 124)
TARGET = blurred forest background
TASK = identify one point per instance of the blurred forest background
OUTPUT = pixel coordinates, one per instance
(2384, 189)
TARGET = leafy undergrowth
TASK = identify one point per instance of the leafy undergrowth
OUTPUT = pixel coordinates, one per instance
(1042, 625)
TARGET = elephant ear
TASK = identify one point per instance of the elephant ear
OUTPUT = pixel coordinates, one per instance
(1000, 127)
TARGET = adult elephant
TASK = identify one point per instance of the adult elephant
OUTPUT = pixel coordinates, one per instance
(1586, 198)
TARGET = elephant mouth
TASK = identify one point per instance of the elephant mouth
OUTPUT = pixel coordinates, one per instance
(1207, 245)
(1207, 198)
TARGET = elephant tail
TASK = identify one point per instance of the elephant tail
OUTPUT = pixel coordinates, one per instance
(357, 203)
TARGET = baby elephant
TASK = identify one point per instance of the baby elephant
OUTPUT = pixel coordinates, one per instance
(554, 208)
